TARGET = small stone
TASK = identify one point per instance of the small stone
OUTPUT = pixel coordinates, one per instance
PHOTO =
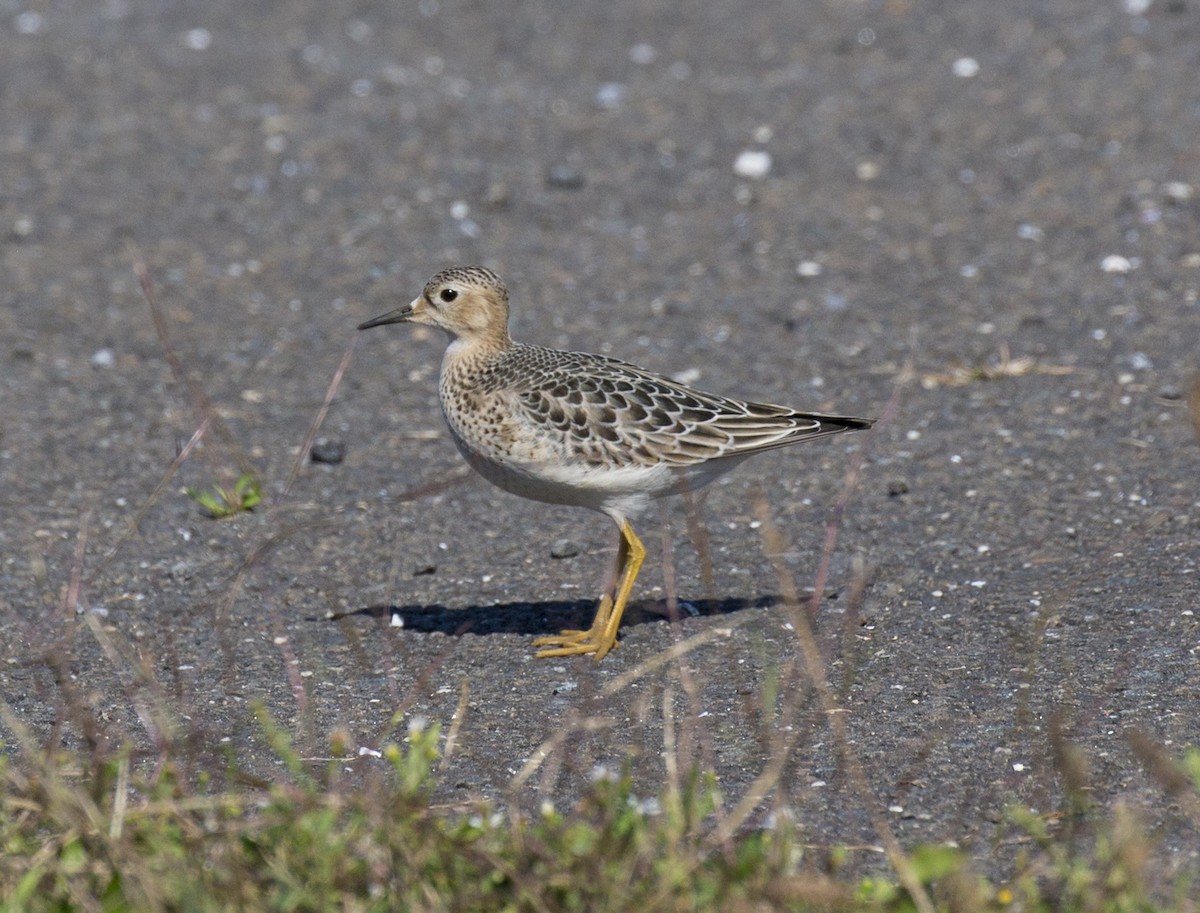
(326, 451)
(1171, 392)
(643, 54)
(564, 548)
(197, 39)
(564, 177)
(867, 171)
(1115, 263)
(103, 358)
(424, 570)
(29, 23)
(1178, 191)
(966, 67)
(610, 95)
(752, 163)
(897, 487)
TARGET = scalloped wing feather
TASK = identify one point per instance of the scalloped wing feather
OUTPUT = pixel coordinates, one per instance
(611, 412)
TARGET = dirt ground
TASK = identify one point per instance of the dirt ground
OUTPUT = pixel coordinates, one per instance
(1005, 196)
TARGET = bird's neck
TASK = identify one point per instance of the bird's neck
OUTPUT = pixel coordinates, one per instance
(474, 356)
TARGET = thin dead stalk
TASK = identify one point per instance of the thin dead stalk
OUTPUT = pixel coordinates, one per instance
(814, 662)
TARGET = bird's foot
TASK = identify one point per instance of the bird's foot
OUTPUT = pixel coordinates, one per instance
(596, 639)
(575, 643)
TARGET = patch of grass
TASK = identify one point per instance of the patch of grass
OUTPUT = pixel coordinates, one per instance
(1005, 366)
(102, 839)
(219, 502)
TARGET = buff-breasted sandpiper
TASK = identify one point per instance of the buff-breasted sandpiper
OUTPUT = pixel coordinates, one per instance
(585, 430)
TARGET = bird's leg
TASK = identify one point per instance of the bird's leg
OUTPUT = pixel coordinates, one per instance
(602, 635)
(635, 555)
(603, 610)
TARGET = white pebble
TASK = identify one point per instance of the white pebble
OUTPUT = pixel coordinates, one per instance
(1115, 263)
(1178, 190)
(197, 39)
(1140, 361)
(867, 171)
(966, 67)
(610, 95)
(752, 163)
(808, 268)
(643, 54)
(29, 23)
(104, 358)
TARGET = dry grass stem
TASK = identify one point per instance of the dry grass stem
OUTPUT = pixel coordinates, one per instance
(1007, 366)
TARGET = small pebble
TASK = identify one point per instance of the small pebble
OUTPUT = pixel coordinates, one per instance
(1115, 263)
(1170, 391)
(897, 487)
(197, 39)
(29, 23)
(104, 358)
(966, 67)
(643, 54)
(867, 171)
(564, 548)
(610, 95)
(752, 163)
(326, 451)
(564, 177)
(1178, 190)
(424, 570)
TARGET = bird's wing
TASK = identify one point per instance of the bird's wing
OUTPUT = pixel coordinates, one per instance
(609, 411)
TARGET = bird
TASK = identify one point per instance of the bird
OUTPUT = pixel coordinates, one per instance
(573, 428)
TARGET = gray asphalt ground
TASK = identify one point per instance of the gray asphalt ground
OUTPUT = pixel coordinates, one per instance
(959, 181)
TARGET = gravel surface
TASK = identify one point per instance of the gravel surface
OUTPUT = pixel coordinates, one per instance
(784, 202)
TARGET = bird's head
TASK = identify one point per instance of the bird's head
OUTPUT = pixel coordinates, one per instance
(468, 302)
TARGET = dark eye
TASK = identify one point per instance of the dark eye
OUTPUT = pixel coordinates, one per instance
(448, 294)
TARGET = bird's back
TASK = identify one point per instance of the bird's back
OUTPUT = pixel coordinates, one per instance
(586, 426)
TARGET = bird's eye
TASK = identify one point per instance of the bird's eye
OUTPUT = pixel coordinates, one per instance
(448, 294)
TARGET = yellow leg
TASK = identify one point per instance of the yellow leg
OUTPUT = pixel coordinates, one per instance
(602, 635)
(571, 636)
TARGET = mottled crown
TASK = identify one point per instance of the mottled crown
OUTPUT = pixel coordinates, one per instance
(479, 276)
